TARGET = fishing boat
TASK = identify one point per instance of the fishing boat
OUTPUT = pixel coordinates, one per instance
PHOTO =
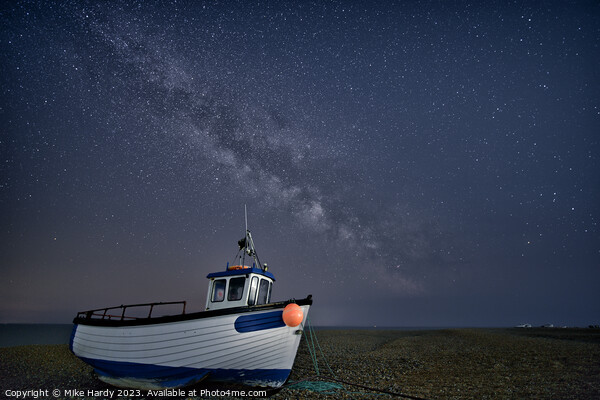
(240, 337)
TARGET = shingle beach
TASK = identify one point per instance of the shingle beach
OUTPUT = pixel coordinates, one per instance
(532, 363)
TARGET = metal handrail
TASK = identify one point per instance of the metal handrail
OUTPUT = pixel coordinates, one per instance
(102, 313)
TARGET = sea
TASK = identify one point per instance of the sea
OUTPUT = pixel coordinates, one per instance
(25, 334)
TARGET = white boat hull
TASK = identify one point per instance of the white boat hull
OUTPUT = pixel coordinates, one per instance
(250, 347)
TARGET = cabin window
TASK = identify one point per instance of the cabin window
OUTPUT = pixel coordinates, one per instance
(263, 292)
(236, 288)
(253, 287)
(270, 288)
(218, 290)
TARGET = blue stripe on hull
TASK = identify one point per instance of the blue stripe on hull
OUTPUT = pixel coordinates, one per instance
(258, 322)
(173, 377)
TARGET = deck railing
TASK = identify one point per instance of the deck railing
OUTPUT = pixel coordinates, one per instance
(103, 313)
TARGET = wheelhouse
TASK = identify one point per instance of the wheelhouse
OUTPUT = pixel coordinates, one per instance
(239, 286)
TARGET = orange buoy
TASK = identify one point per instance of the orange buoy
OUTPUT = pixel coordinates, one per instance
(292, 315)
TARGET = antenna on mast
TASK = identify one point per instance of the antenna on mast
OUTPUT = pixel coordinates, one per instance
(246, 216)
(247, 245)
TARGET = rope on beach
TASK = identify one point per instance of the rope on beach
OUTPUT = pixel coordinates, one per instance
(321, 383)
(328, 384)
(311, 346)
(317, 386)
(319, 346)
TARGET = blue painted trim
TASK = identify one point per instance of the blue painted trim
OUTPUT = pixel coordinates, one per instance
(172, 377)
(241, 272)
(258, 322)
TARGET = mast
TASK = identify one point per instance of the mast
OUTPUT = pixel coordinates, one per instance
(247, 244)
(246, 217)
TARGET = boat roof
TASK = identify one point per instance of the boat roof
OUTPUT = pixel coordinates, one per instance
(243, 271)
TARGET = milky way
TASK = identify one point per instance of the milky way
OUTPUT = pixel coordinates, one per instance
(441, 158)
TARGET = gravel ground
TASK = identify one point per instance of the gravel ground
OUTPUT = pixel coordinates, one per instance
(446, 364)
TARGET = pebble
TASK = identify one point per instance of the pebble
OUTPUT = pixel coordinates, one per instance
(445, 364)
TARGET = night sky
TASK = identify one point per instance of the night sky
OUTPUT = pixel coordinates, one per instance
(414, 163)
